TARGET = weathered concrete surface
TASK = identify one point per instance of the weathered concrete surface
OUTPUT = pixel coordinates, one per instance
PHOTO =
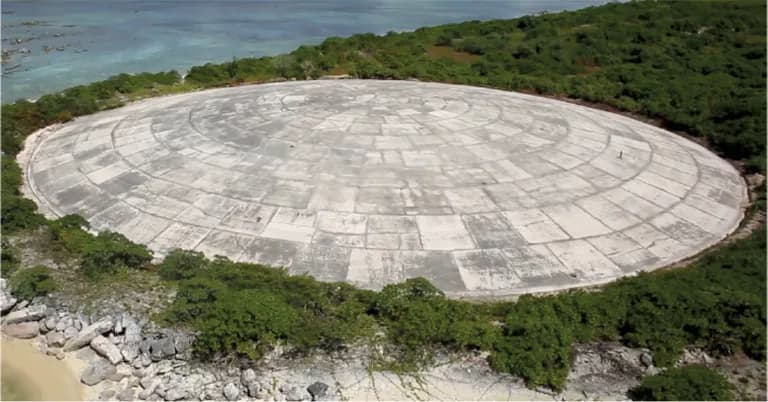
(483, 192)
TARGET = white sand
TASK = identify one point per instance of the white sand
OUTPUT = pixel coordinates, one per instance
(41, 377)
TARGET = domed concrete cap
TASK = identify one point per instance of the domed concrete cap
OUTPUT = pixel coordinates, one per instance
(483, 192)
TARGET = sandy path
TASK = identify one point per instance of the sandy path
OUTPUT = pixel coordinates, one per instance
(36, 376)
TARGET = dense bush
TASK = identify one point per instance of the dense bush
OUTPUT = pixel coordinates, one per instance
(9, 259)
(418, 318)
(536, 345)
(102, 253)
(304, 312)
(110, 251)
(688, 383)
(17, 212)
(248, 322)
(181, 264)
(32, 282)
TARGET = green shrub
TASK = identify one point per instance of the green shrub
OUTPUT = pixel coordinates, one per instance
(109, 251)
(246, 322)
(32, 282)
(9, 260)
(181, 264)
(688, 383)
(17, 213)
(536, 345)
(419, 318)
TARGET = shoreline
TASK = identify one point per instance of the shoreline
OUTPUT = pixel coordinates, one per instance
(87, 373)
(42, 377)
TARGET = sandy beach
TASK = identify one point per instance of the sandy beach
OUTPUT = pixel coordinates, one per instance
(28, 374)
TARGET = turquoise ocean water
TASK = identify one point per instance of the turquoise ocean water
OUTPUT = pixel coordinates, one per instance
(50, 45)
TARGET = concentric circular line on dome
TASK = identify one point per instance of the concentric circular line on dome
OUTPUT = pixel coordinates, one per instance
(481, 191)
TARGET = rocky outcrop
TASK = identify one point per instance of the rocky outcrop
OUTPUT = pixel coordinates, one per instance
(131, 339)
(32, 313)
(602, 370)
(7, 301)
(106, 349)
(131, 359)
(86, 335)
(161, 348)
(97, 372)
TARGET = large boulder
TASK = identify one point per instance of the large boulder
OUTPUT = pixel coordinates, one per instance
(132, 330)
(123, 371)
(646, 359)
(247, 376)
(149, 384)
(23, 330)
(176, 392)
(70, 332)
(254, 389)
(126, 395)
(183, 343)
(130, 351)
(64, 323)
(97, 372)
(107, 349)
(118, 329)
(50, 323)
(106, 394)
(55, 339)
(131, 339)
(88, 333)
(318, 390)
(296, 394)
(7, 301)
(33, 313)
(231, 392)
(162, 348)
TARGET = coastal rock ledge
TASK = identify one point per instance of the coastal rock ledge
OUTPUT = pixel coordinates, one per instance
(128, 357)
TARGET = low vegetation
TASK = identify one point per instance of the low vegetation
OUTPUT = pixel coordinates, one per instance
(717, 304)
(32, 282)
(688, 383)
(696, 66)
(9, 259)
(99, 254)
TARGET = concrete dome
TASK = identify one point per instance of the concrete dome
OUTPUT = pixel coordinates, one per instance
(483, 192)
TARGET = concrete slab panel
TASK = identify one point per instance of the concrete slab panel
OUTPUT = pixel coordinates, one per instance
(227, 244)
(485, 270)
(535, 226)
(575, 221)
